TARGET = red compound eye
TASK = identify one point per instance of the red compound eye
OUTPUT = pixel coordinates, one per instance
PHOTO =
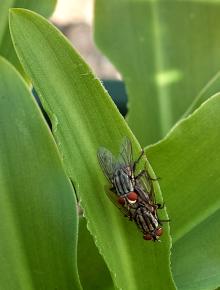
(148, 237)
(132, 196)
(159, 232)
(121, 200)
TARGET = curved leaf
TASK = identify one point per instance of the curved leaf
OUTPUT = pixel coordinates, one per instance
(84, 118)
(188, 162)
(196, 257)
(38, 230)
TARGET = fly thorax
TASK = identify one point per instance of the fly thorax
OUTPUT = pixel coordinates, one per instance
(122, 182)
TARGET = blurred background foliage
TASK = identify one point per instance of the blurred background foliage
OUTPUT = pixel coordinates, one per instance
(167, 54)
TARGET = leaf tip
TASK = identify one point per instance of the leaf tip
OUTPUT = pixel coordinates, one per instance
(14, 11)
(18, 11)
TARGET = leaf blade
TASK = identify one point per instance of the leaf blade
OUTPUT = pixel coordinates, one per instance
(97, 277)
(83, 121)
(204, 266)
(188, 164)
(173, 150)
(39, 224)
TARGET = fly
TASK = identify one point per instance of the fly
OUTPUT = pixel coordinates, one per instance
(134, 192)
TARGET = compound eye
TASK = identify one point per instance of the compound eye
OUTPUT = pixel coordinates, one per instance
(159, 232)
(121, 200)
(132, 197)
(148, 237)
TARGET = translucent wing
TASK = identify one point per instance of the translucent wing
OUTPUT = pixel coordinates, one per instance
(107, 162)
(146, 184)
(125, 156)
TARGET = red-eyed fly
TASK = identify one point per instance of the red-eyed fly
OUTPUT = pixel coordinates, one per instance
(133, 192)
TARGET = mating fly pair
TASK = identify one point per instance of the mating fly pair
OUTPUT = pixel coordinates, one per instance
(133, 193)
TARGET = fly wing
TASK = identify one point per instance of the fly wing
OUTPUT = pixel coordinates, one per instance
(145, 182)
(107, 162)
(125, 158)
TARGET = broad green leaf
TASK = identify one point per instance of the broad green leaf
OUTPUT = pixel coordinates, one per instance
(187, 161)
(93, 272)
(166, 52)
(38, 231)
(44, 7)
(196, 257)
(84, 118)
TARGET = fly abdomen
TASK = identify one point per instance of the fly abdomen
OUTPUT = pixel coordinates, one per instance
(122, 182)
(140, 220)
(150, 219)
(145, 220)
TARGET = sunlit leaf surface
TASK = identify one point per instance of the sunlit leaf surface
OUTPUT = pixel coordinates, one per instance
(84, 118)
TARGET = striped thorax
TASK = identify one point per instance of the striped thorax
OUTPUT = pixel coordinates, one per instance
(123, 182)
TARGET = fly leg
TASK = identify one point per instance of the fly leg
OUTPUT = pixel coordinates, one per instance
(144, 171)
(138, 160)
(163, 221)
(130, 218)
(154, 179)
(146, 174)
(160, 205)
(140, 174)
(113, 189)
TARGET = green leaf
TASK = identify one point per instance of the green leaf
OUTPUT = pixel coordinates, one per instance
(95, 277)
(187, 161)
(4, 6)
(38, 231)
(84, 118)
(44, 7)
(210, 89)
(196, 257)
(166, 52)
